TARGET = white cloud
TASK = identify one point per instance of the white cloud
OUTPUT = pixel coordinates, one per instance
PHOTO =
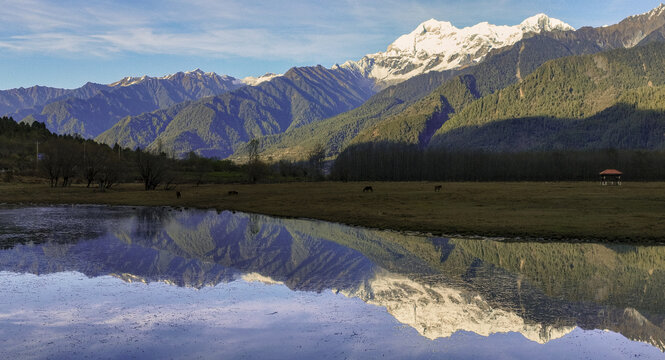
(295, 30)
(299, 31)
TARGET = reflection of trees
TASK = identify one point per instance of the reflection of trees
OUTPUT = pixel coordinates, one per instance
(253, 224)
(619, 275)
(150, 221)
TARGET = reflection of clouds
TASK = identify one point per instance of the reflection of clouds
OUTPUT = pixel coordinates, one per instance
(106, 318)
(120, 318)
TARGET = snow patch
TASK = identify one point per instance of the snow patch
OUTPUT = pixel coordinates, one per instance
(253, 81)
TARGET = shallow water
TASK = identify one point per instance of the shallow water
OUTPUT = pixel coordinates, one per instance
(120, 282)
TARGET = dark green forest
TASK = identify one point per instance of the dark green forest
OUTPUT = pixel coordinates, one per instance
(64, 160)
(387, 161)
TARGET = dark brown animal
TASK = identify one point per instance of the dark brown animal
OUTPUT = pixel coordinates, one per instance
(233, 192)
(437, 188)
(368, 189)
(178, 194)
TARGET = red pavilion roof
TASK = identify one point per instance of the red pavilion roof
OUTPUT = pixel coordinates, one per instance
(611, 172)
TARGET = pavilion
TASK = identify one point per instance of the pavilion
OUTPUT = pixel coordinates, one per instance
(610, 177)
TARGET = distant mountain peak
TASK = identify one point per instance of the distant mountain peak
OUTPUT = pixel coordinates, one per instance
(542, 22)
(196, 73)
(438, 45)
(253, 81)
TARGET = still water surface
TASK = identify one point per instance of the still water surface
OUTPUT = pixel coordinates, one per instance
(119, 282)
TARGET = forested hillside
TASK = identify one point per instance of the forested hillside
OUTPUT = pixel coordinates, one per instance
(606, 100)
(389, 115)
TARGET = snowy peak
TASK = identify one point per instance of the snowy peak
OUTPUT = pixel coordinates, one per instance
(196, 74)
(129, 80)
(657, 11)
(541, 22)
(439, 45)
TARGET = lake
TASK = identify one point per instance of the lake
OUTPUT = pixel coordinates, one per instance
(123, 282)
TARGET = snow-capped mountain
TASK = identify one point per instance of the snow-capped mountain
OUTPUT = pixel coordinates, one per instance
(194, 75)
(439, 45)
(199, 75)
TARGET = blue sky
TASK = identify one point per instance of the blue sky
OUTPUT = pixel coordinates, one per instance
(66, 43)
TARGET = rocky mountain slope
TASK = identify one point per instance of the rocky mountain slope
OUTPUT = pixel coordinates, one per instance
(20, 101)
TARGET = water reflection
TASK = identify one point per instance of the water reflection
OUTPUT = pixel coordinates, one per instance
(436, 286)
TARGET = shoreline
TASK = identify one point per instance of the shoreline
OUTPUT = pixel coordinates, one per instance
(508, 212)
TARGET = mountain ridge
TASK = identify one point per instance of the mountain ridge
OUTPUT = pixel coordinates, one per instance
(91, 116)
(215, 126)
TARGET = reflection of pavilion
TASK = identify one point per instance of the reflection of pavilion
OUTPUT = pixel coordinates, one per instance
(610, 177)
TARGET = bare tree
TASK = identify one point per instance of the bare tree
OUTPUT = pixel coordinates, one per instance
(59, 160)
(49, 162)
(109, 170)
(94, 161)
(152, 168)
(68, 160)
(255, 167)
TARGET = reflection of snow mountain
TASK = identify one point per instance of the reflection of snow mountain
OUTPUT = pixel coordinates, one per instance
(439, 311)
(437, 286)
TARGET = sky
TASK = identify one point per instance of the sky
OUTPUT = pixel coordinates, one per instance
(66, 43)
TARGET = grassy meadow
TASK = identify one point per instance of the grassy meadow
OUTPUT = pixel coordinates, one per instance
(634, 212)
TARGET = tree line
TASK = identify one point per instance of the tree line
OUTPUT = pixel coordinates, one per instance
(32, 150)
(405, 162)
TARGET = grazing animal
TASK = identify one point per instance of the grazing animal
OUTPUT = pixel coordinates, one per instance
(437, 188)
(368, 189)
(178, 194)
(233, 192)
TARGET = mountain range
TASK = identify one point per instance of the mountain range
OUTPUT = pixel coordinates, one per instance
(216, 126)
(392, 115)
(435, 89)
(90, 116)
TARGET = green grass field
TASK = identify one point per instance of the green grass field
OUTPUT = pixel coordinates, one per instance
(634, 212)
